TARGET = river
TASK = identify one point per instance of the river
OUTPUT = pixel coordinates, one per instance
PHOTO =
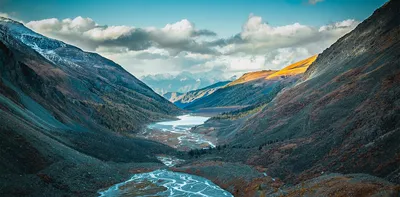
(178, 134)
(165, 183)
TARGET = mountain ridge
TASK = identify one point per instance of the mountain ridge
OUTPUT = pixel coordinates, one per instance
(66, 118)
(341, 117)
(183, 99)
(253, 88)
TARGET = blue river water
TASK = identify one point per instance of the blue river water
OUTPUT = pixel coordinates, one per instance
(174, 184)
(164, 182)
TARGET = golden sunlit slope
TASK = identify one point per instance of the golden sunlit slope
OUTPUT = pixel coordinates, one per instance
(294, 69)
(252, 76)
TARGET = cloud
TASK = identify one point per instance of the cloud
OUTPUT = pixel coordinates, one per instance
(180, 46)
(5, 15)
(313, 2)
(258, 37)
(85, 33)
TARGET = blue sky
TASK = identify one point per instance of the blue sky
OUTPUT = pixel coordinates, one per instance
(209, 36)
(225, 17)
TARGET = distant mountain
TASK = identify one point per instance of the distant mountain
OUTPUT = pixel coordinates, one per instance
(343, 116)
(61, 107)
(253, 88)
(183, 82)
(295, 69)
(183, 99)
(252, 76)
(173, 96)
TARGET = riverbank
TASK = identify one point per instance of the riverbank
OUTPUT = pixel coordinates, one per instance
(177, 133)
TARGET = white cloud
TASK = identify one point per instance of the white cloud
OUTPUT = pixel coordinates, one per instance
(66, 26)
(5, 15)
(256, 29)
(180, 46)
(258, 37)
(85, 33)
(108, 33)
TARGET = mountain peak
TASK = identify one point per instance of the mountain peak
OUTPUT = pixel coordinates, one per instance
(9, 20)
(294, 69)
(251, 76)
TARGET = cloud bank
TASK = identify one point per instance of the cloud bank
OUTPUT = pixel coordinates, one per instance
(86, 33)
(181, 46)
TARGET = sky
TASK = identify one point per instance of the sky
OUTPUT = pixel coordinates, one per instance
(160, 36)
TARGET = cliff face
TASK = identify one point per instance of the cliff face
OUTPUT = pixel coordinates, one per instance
(344, 116)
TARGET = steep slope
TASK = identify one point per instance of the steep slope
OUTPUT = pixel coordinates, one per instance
(172, 96)
(61, 110)
(247, 77)
(294, 69)
(185, 99)
(344, 116)
(75, 86)
(253, 88)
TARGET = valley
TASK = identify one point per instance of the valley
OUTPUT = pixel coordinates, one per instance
(74, 123)
(178, 134)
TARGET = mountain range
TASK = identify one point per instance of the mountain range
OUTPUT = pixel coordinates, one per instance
(183, 99)
(328, 125)
(182, 82)
(252, 88)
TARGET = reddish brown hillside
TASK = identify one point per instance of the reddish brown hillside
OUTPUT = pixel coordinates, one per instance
(344, 117)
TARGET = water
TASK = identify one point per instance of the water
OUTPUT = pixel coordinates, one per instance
(165, 183)
(169, 161)
(185, 120)
(177, 133)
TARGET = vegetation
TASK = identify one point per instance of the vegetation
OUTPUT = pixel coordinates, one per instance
(253, 108)
(198, 152)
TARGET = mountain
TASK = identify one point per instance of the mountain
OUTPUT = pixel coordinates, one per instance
(295, 69)
(343, 116)
(248, 77)
(173, 96)
(65, 115)
(183, 82)
(64, 76)
(253, 88)
(182, 100)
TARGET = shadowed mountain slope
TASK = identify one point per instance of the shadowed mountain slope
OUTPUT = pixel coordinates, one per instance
(182, 100)
(342, 117)
(61, 106)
